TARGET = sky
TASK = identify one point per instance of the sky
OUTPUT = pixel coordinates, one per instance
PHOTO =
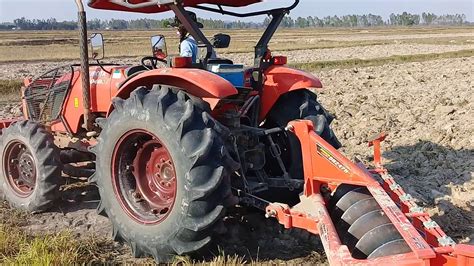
(66, 9)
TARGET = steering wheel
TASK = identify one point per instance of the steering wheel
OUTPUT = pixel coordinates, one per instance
(153, 62)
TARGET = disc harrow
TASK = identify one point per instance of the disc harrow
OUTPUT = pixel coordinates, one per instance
(363, 227)
(362, 215)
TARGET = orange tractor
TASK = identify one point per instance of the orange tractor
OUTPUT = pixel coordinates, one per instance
(170, 148)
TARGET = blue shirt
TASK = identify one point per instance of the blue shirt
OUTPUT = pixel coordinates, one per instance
(189, 48)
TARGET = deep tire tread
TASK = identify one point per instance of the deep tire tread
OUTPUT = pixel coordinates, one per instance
(41, 145)
(198, 135)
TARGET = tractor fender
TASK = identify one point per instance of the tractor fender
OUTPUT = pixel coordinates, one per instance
(280, 80)
(197, 82)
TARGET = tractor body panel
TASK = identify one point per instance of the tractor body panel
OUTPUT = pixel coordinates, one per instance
(280, 80)
(113, 81)
(197, 82)
(103, 85)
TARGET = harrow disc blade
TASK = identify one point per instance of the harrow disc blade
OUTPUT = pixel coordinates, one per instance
(354, 212)
(347, 201)
(394, 247)
(363, 225)
(374, 239)
(339, 193)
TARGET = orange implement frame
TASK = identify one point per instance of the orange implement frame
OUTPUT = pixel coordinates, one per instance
(325, 167)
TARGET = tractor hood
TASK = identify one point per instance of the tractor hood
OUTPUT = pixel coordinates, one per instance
(157, 6)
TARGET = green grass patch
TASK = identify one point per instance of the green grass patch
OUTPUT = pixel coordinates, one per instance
(10, 86)
(21, 249)
(220, 259)
(396, 59)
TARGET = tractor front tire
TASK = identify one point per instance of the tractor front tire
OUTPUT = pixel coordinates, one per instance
(161, 173)
(30, 167)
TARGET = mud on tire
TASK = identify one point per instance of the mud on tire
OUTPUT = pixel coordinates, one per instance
(193, 141)
(30, 167)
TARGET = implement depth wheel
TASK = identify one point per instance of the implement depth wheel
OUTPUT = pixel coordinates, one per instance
(30, 168)
(161, 173)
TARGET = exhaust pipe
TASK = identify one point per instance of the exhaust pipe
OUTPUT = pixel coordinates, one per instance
(84, 53)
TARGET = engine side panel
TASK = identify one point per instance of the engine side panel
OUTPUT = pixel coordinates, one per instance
(104, 84)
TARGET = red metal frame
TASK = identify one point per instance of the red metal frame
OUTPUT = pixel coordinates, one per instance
(153, 187)
(326, 167)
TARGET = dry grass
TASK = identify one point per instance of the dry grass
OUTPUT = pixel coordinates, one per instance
(18, 247)
(62, 45)
(8, 87)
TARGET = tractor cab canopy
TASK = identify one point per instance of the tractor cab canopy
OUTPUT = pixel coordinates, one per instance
(157, 6)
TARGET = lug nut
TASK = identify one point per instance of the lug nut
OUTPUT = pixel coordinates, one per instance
(137, 196)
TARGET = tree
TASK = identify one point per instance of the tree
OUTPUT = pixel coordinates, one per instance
(369, 20)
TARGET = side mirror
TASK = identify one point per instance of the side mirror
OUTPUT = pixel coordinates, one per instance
(158, 47)
(97, 46)
(221, 40)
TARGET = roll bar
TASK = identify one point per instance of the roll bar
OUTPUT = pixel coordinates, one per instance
(84, 55)
(261, 48)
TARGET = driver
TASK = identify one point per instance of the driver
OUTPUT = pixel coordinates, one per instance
(188, 46)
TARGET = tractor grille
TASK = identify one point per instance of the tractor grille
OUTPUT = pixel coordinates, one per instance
(45, 95)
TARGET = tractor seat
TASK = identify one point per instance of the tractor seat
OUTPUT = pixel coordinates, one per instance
(134, 70)
(216, 61)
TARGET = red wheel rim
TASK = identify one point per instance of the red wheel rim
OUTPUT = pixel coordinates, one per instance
(20, 168)
(144, 177)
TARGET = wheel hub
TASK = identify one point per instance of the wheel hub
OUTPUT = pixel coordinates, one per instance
(148, 190)
(20, 168)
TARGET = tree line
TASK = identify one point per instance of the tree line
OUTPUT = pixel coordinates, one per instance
(370, 20)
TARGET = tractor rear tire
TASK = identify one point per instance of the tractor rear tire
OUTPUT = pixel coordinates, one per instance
(30, 167)
(301, 104)
(164, 137)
